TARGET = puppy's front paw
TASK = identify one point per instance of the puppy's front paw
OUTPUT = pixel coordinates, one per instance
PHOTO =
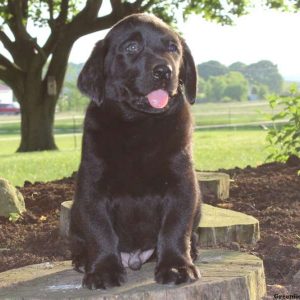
(106, 272)
(177, 275)
(103, 280)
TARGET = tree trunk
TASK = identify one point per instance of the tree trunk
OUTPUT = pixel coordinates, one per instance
(37, 118)
(39, 101)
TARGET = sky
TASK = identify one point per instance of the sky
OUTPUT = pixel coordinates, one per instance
(262, 34)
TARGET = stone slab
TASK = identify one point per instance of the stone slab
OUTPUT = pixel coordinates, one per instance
(225, 275)
(217, 226)
(222, 226)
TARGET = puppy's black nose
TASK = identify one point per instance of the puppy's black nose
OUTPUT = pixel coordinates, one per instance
(162, 72)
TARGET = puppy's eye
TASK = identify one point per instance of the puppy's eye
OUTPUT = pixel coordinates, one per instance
(132, 47)
(172, 47)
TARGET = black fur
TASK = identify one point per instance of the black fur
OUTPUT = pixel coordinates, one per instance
(136, 186)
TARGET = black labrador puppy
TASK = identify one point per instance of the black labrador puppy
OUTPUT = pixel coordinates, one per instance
(136, 189)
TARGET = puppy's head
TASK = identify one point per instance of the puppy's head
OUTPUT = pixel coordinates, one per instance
(143, 64)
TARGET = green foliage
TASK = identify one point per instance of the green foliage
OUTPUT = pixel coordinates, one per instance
(220, 11)
(260, 90)
(232, 86)
(266, 73)
(201, 87)
(284, 141)
(213, 10)
(211, 68)
(14, 217)
(237, 67)
(73, 71)
(71, 99)
(257, 80)
(40, 12)
(215, 88)
(165, 10)
(284, 5)
(236, 86)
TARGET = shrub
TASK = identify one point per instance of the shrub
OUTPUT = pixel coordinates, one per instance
(284, 139)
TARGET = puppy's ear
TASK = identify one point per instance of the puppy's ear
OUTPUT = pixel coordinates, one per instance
(188, 73)
(91, 78)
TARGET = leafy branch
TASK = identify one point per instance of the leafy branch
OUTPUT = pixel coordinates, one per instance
(284, 140)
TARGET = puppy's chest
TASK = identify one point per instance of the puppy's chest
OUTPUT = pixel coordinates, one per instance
(137, 179)
(137, 158)
(137, 169)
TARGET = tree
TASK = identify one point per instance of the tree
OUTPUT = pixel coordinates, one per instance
(266, 73)
(263, 73)
(237, 86)
(261, 91)
(232, 86)
(68, 20)
(211, 68)
(237, 67)
(215, 88)
(201, 88)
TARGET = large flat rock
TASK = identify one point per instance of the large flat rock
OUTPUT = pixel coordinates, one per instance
(225, 275)
(218, 226)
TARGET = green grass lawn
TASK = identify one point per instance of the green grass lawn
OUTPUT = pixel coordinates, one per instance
(39, 166)
(232, 113)
(227, 149)
(212, 150)
(66, 123)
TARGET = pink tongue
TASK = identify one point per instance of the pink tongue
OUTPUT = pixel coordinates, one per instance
(158, 98)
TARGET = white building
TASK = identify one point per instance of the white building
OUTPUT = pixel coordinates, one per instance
(6, 94)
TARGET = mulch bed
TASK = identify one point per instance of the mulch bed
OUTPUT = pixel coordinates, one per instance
(271, 193)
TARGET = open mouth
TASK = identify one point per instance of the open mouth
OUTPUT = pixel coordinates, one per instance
(155, 102)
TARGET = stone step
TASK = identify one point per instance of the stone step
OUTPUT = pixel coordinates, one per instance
(225, 275)
(218, 226)
(224, 226)
(215, 183)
